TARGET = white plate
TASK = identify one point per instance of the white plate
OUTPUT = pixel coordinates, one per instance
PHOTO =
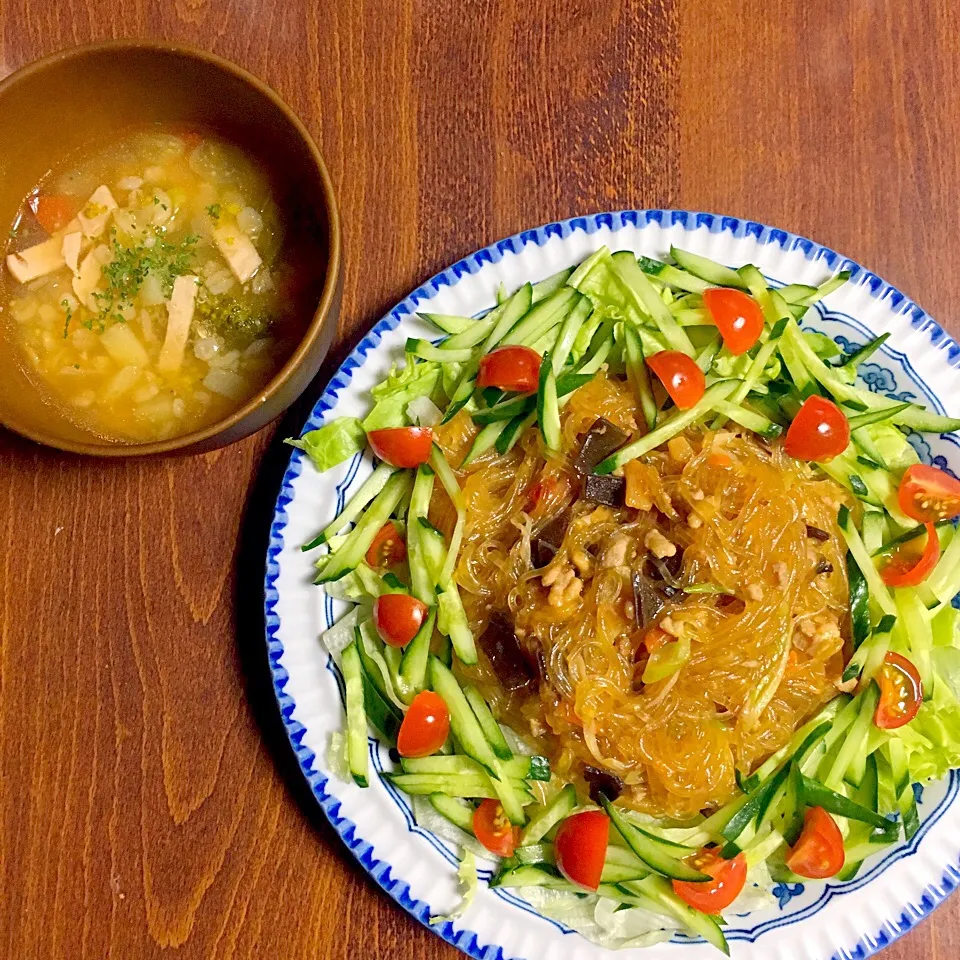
(417, 869)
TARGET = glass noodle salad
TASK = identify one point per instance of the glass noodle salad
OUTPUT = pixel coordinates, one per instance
(651, 598)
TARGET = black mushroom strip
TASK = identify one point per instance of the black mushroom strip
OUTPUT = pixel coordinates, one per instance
(549, 540)
(602, 783)
(608, 490)
(653, 586)
(601, 440)
(500, 644)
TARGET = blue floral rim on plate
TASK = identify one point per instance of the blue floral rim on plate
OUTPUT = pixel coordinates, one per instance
(380, 870)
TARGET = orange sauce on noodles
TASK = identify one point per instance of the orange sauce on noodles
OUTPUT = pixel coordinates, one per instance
(766, 652)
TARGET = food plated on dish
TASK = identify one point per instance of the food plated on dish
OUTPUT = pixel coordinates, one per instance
(652, 597)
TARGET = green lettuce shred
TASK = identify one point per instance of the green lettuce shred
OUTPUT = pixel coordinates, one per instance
(332, 444)
(932, 738)
(826, 348)
(726, 365)
(404, 383)
(467, 875)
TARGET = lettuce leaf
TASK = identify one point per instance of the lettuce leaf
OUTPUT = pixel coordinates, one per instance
(467, 875)
(823, 346)
(892, 446)
(403, 384)
(727, 365)
(607, 292)
(359, 584)
(341, 634)
(932, 738)
(427, 817)
(601, 920)
(333, 443)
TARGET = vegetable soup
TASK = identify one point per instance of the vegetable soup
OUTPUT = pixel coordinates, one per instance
(147, 287)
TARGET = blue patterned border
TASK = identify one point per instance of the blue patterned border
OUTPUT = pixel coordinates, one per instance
(381, 871)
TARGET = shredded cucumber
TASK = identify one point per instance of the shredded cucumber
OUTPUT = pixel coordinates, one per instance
(542, 317)
(422, 583)
(459, 814)
(357, 756)
(639, 375)
(358, 541)
(648, 301)
(670, 428)
(716, 274)
(355, 506)
(548, 817)
(879, 591)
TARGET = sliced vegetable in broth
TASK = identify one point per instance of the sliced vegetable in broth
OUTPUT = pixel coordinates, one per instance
(146, 284)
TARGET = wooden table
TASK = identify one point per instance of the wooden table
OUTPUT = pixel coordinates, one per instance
(145, 802)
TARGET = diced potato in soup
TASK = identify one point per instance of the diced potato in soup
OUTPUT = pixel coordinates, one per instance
(146, 285)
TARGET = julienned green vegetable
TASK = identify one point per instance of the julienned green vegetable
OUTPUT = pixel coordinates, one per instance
(613, 309)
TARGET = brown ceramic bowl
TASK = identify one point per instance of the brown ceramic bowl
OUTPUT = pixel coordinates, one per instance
(62, 102)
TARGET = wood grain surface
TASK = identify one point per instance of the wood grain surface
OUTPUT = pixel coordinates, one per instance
(147, 805)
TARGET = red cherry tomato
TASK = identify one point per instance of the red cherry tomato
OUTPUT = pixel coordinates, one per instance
(580, 847)
(818, 853)
(728, 878)
(738, 317)
(680, 375)
(494, 829)
(398, 617)
(402, 446)
(510, 368)
(928, 494)
(906, 569)
(425, 726)
(901, 692)
(53, 212)
(819, 431)
(388, 548)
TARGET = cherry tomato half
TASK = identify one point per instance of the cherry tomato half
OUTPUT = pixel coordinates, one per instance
(683, 379)
(738, 317)
(580, 847)
(398, 617)
(928, 494)
(819, 431)
(728, 878)
(901, 692)
(906, 569)
(510, 368)
(53, 212)
(388, 548)
(494, 829)
(402, 446)
(818, 853)
(425, 726)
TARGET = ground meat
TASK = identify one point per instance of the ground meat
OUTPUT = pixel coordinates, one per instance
(564, 585)
(615, 554)
(659, 545)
